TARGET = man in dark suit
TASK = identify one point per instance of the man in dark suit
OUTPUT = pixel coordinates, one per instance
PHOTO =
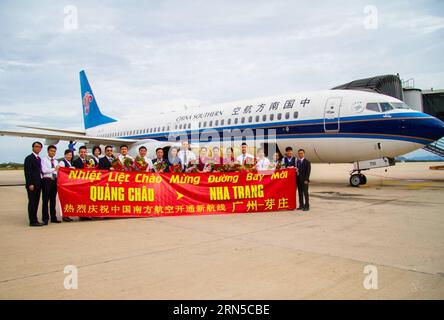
(160, 159)
(105, 162)
(33, 180)
(303, 179)
(80, 162)
(289, 160)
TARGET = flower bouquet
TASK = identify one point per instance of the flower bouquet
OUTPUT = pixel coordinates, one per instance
(128, 164)
(208, 167)
(275, 166)
(219, 167)
(140, 164)
(160, 166)
(193, 166)
(176, 168)
(249, 164)
(117, 164)
(89, 163)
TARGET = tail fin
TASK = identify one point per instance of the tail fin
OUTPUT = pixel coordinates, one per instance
(92, 116)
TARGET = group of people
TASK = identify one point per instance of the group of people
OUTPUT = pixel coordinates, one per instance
(41, 173)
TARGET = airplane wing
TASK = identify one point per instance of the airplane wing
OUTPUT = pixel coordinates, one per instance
(54, 130)
(66, 137)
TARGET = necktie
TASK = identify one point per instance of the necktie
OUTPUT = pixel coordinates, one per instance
(243, 159)
(185, 157)
(52, 166)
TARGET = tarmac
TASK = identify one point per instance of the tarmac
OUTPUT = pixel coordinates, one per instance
(390, 231)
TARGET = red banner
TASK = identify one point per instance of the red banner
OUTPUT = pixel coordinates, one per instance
(98, 193)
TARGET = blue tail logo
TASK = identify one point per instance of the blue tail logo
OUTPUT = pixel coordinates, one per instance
(92, 116)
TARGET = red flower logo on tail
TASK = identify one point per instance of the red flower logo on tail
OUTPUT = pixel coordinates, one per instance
(87, 98)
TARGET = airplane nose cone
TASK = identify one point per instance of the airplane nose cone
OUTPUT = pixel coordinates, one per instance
(435, 129)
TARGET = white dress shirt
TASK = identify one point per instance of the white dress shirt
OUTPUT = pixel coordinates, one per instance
(241, 159)
(48, 170)
(62, 163)
(122, 157)
(262, 164)
(189, 155)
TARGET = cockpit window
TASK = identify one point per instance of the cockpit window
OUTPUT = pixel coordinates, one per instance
(399, 105)
(385, 106)
(373, 107)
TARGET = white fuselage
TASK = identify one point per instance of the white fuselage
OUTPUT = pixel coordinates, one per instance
(332, 126)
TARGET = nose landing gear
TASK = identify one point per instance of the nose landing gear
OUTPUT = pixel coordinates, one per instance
(357, 178)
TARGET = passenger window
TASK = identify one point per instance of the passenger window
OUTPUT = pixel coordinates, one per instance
(243, 120)
(222, 122)
(279, 116)
(204, 124)
(229, 121)
(236, 120)
(271, 117)
(264, 117)
(257, 118)
(216, 123)
(210, 124)
(250, 119)
(287, 115)
(373, 107)
(295, 114)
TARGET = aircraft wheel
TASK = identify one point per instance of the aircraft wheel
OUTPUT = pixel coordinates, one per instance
(363, 179)
(355, 180)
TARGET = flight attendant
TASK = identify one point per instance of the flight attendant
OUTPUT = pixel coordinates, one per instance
(96, 152)
(289, 160)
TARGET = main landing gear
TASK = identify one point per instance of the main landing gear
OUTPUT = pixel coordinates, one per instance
(356, 179)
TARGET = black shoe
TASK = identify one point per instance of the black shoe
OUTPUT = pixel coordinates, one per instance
(67, 219)
(85, 219)
(56, 221)
(300, 208)
(45, 223)
(36, 224)
(306, 209)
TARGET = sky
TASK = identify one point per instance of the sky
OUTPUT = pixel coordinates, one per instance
(155, 55)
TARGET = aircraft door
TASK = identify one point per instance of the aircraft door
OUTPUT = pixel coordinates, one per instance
(332, 114)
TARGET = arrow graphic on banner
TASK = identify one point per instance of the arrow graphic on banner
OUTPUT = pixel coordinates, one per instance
(179, 195)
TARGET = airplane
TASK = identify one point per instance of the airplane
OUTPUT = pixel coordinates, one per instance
(365, 128)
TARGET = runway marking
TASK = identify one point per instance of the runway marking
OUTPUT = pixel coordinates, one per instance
(419, 185)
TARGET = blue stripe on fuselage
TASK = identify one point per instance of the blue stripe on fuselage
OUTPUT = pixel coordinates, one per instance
(414, 127)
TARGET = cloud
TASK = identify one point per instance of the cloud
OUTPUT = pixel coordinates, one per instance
(166, 54)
